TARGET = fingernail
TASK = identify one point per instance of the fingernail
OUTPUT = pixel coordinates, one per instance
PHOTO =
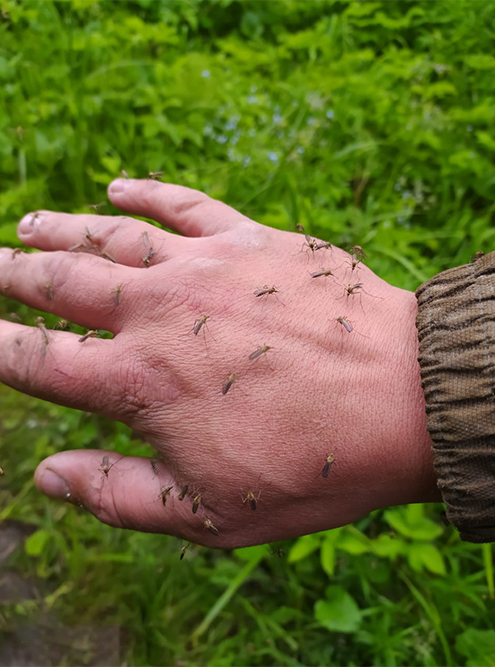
(118, 186)
(30, 223)
(54, 486)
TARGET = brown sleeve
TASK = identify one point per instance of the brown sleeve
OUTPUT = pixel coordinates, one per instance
(456, 326)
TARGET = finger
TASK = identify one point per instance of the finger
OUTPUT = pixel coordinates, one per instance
(56, 367)
(83, 289)
(118, 239)
(125, 492)
(190, 212)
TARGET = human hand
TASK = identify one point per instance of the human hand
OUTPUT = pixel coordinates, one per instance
(319, 390)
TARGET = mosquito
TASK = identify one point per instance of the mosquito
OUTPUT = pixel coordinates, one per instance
(321, 272)
(251, 499)
(34, 217)
(116, 294)
(358, 251)
(17, 251)
(323, 245)
(62, 324)
(154, 466)
(106, 466)
(328, 464)
(229, 383)
(155, 175)
(49, 291)
(209, 526)
(97, 207)
(164, 493)
(347, 326)
(40, 322)
(184, 549)
(310, 243)
(199, 323)
(263, 349)
(183, 491)
(263, 291)
(92, 333)
(300, 228)
(124, 173)
(196, 501)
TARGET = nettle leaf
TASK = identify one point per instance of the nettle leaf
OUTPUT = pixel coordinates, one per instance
(478, 646)
(340, 612)
(411, 522)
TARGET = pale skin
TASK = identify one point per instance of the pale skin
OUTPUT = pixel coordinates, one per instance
(319, 390)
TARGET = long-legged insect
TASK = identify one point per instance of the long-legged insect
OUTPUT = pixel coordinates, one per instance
(92, 333)
(116, 294)
(196, 501)
(300, 228)
(96, 207)
(321, 273)
(17, 251)
(34, 217)
(184, 550)
(62, 324)
(154, 466)
(49, 291)
(106, 466)
(14, 317)
(251, 499)
(155, 175)
(40, 322)
(148, 257)
(347, 326)
(199, 323)
(209, 526)
(358, 251)
(328, 465)
(183, 491)
(229, 383)
(310, 243)
(263, 291)
(164, 492)
(124, 173)
(263, 349)
(323, 245)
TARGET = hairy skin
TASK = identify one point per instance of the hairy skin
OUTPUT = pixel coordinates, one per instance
(318, 390)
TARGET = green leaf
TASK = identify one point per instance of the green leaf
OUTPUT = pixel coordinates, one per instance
(480, 61)
(339, 613)
(36, 542)
(353, 544)
(432, 559)
(327, 557)
(411, 522)
(478, 646)
(303, 547)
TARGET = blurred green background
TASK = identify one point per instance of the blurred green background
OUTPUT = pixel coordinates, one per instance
(367, 122)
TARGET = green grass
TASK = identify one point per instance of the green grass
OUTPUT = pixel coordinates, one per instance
(369, 123)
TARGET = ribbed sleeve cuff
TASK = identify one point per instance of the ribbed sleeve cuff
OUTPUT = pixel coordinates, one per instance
(456, 327)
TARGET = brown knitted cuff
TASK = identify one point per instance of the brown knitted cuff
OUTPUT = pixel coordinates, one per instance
(456, 326)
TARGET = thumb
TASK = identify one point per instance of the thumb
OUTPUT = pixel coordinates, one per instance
(127, 492)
